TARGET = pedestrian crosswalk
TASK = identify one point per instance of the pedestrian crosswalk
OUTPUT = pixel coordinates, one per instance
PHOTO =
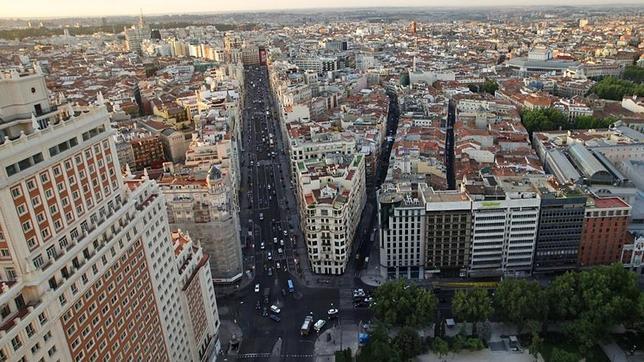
(346, 298)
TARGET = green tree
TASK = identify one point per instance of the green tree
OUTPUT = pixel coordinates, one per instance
(408, 343)
(440, 347)
(344, 356)
(590, 302)
(399, 304)
(536, 342)
(634, 74)
(616, 89)
(474, 344)
(587, 122)
(518, 300)
(472, 305)
(544, 119)
(458, 343)
(379, 348)
(560, 355)
(489, 86)
(563, 301)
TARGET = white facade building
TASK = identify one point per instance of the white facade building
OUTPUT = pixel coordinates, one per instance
(331, 196)
(401, 216)
(504, 230)
(87, 266)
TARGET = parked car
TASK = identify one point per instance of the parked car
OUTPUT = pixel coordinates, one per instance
(275, 310)
(332, 313)
(319, 325)
(274, 317)
(257, 288)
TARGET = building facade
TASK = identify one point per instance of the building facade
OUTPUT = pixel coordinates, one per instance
(401, 215)
(148, 152)
(560, 225)
(504, 230)
(331, 196)
(87, 262)
(448, 231)
(605, 231)
(203, 205)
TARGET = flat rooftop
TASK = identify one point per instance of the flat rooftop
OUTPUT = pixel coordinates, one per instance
(445, 196)
(608, 202)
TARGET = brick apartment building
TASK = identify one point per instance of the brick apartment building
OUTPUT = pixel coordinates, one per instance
(605, 231)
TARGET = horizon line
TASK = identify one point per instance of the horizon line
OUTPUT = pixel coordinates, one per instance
(206, 13)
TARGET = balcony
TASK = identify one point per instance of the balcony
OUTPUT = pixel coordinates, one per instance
(15, 319)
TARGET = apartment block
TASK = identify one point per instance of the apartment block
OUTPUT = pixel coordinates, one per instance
(305, 144)
(147, 151)
(87, 265)
(202, 204)
(331, 196)
(605, 231)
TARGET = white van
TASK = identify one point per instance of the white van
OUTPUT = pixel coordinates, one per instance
(319, 325)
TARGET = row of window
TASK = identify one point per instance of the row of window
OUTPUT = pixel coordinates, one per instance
(24, 164)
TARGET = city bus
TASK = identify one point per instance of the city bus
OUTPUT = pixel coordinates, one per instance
(291, 289)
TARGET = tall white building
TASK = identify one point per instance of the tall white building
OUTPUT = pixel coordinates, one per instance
(88, 267)
(504, 228)
(401, 216)
(331, 196)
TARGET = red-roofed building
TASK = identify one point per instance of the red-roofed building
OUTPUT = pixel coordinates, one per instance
(605, 231)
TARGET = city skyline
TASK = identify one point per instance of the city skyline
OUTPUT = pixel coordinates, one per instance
(198, 181)
(73, 8)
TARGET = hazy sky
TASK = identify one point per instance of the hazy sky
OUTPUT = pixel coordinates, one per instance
(54, 8)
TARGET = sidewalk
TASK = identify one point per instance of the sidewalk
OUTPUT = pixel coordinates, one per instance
(480, 356)
(224, 291)
(373, 275)
(229, 331)
(614, 352)
(335, 339)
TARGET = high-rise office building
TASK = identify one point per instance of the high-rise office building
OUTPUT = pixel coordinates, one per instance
(401, 215)
(560, 223)
(89, 267)
(505, 218)
(449, 228)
